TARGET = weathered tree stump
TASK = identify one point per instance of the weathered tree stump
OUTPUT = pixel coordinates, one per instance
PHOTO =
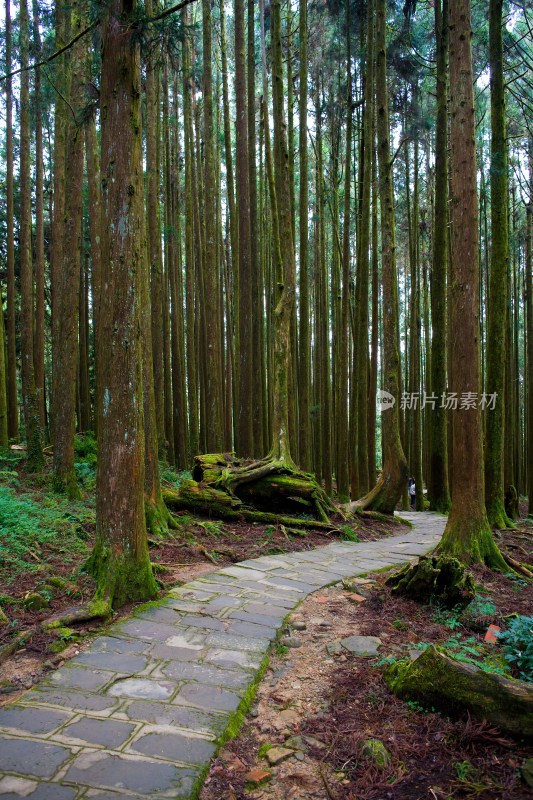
(435, 679)
(441, 578)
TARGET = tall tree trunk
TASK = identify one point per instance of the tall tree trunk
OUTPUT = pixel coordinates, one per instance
(84, 419)
(415, 338)
(120, 560)
(4, 440)
(363, 265)
(154, 241)
(257, 316)
(373, 380)
(529, 330)
(213, 387)
(304, 375)
(34, 459)
(38, 353)
(12, 401)
(286, 279)
(341, 410)
(387, 491)
(244, 431)
(65, 344)
(467, 535)
(190, 266)
(58, 220)
(92, 156)
(498, 297)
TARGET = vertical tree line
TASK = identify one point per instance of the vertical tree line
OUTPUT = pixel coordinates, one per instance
(226, 226)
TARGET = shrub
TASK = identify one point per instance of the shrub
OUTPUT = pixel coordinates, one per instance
(517, 643)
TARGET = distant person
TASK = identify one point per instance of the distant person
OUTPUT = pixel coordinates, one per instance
(412, 492)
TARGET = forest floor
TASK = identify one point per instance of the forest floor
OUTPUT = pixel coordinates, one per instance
(320, 703)
(46, 538)
(319, 700)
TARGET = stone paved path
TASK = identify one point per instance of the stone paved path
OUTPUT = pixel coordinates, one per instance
(141, 713)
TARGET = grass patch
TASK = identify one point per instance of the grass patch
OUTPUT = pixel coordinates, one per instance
(40, 528)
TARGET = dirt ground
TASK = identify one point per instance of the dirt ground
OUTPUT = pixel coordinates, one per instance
(321, 704)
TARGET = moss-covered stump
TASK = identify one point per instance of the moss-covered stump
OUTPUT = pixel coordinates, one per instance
(435, 679)
(441, 578)
(269, 484)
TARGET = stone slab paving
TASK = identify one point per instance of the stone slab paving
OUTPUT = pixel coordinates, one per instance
(142, 712)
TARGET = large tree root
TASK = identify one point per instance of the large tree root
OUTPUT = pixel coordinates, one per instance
(96, 609)
(18, 641)
(435, 679)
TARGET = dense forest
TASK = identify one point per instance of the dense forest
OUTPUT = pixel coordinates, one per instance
(226, 228)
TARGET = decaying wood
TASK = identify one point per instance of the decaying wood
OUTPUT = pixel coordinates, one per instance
(435, 679)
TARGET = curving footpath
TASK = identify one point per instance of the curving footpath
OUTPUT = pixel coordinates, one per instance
(142, 712)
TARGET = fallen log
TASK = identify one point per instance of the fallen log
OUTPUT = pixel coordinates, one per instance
(204, 500)
(435, 679)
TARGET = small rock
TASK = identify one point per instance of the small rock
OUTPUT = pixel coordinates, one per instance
(527, 771)
(278, 754)
(290, 641)
(289, 717)
(362, 645)
(296, 743)
(258, 776)
(316, 743)
(317, 620)
(300, 756)
(376, 751)
(299, 625)
(334, 648)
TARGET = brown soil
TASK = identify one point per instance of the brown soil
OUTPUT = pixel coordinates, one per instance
(334, 702)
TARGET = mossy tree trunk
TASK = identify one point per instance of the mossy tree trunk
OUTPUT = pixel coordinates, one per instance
(467, 535)
(498, 295)
(120, 560)
(387, 491)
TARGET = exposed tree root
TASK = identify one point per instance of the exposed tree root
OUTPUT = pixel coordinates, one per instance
(516, 566)
(18, 641)
(96, 609)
